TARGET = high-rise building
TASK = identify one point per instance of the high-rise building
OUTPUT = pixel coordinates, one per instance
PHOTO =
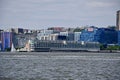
(118, 20)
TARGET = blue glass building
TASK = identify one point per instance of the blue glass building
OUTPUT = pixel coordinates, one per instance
(6, 39)
(101, 35)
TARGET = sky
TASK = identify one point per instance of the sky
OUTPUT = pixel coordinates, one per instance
(41, 14)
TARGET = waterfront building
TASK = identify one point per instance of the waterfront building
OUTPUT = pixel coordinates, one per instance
(62, 45)
(19, 40)
(6, 40)
(69, 35)
(101, 35)
(61, 37)
(64, 33)
(77, 36)
(44, 34)
(118, 20)
(53, 37)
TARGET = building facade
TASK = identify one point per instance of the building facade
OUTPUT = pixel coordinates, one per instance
(77, 36)
(6, 40)
(101, 35)
(44, 34)
(44, 45)
(118, 20)
(69, 35)
(20, 40)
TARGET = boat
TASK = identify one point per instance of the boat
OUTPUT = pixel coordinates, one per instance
(13, 48)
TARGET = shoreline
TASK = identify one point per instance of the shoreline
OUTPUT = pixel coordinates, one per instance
(101, 51)
(61, 53)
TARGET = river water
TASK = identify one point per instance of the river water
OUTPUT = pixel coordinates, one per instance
(59, 66)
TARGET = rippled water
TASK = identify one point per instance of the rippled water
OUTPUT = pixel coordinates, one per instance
(60, 66)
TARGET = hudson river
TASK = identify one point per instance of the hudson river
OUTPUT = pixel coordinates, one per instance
(59, 66)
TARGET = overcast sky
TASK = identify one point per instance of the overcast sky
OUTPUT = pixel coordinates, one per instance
(39, 14)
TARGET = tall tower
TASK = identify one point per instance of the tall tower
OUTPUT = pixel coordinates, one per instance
(118, 20)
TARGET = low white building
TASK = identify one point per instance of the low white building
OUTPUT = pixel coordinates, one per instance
(47, 35)
(77, 36)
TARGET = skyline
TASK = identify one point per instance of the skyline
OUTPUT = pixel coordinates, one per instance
(38, 14)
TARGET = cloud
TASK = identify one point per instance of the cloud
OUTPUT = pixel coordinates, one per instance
(97, 4)
(61, 12)
(103, 3)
